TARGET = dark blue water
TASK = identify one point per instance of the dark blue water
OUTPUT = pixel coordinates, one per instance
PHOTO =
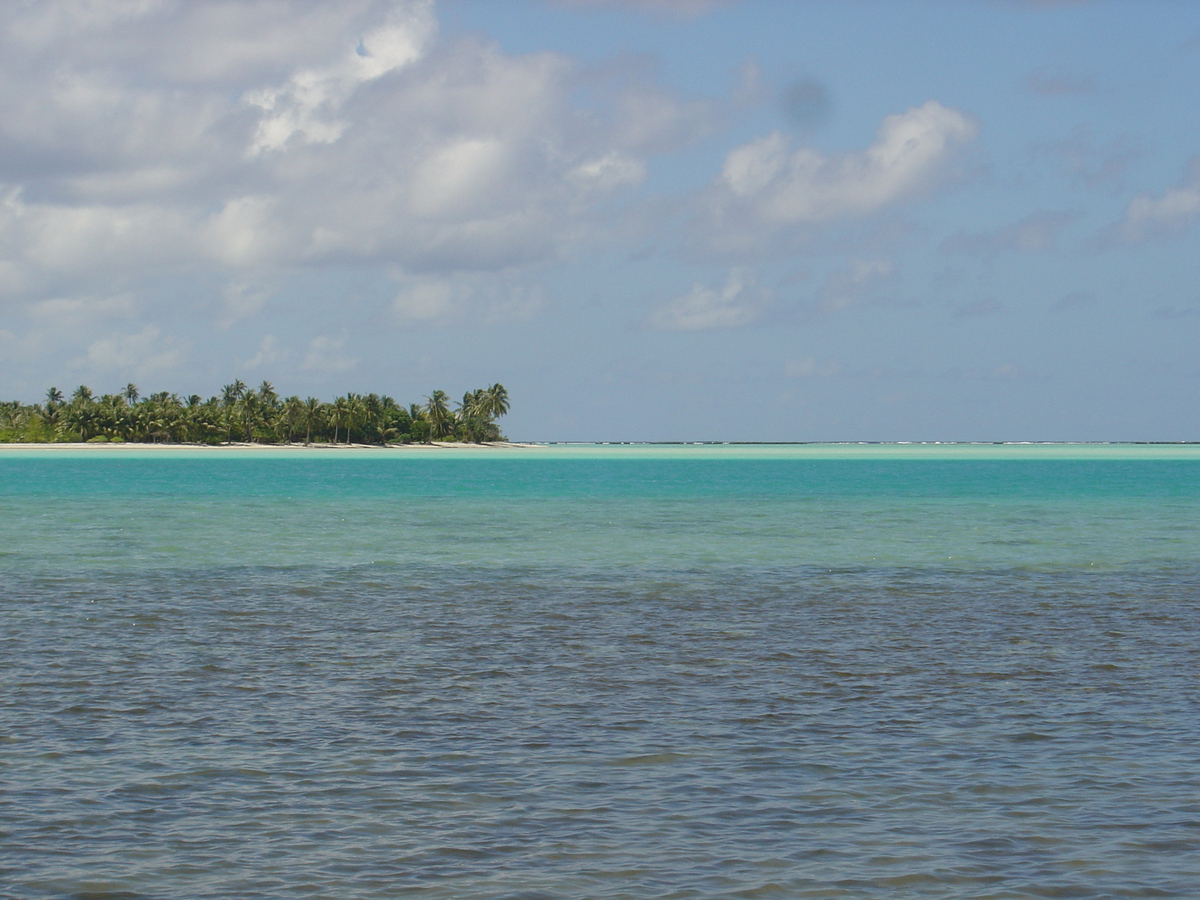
(599, 677)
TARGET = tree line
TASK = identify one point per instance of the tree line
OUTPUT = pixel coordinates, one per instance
(252, 415)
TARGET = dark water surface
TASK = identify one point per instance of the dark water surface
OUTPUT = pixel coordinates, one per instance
(599, 677)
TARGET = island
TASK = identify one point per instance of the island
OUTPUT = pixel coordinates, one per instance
(241, 414)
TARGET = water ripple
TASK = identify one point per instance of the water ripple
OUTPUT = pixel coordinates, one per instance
(449, 731)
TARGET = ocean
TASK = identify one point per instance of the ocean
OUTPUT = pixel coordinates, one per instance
(601, 672)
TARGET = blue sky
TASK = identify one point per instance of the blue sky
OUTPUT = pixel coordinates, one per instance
(655, 220)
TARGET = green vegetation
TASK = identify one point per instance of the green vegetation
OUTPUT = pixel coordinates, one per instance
(253, 416)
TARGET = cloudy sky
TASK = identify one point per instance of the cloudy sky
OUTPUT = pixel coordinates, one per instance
(649, 219)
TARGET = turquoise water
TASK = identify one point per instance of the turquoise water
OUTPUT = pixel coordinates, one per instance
(601, 672)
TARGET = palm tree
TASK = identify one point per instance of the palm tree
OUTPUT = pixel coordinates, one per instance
(496, 397)
(353, 413)
(251, 409)
(390, 416)
(49, 415)
(418, 422)
(258, 415)
(438, 413)
(341, 416)
(292, 410)
(310, 415)
(372, 418)
(471, 415)
(157, 423)
(136, 422)
(78, 417)
(360, 415)
(205, 420)
(232, 393)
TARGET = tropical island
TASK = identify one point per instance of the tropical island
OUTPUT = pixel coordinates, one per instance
(241, 414)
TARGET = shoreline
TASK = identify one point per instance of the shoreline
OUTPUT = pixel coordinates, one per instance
(900, 450)
(237, 445)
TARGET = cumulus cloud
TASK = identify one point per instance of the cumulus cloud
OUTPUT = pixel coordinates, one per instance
(466, 299)
(327, 354)
(1035, 233)
(738, 302)
(1172, 211)
(802, 185)
(89, 334)
(846, 285)
(66, 314)
(144, 353)
(307, 105)
(241, 299)
(766, 185)
(43, 239)
(243, 141)
(269, 352)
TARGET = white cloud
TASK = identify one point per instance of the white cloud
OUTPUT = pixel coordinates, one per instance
(66, 314)
(269, 351)
(1035, 233)
(772, 198)
(238, 141)
(146, 352)
(427, 300)
(789, 186)
(328, 355)
(309, 103)
(459, 178)
(241, 299)
(846, 285)
(1176, 209)
(464, 299)
(611, 171)
(245, 232)
(810, 367)
(87, 333)
(58, 238)
(738, 302)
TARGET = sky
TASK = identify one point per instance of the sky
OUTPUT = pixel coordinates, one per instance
(782, 220)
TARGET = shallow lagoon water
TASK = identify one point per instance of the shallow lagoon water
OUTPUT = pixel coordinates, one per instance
(601, 672)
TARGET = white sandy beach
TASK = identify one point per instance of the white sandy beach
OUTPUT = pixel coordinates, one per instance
(436, 446)
(844, 451)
